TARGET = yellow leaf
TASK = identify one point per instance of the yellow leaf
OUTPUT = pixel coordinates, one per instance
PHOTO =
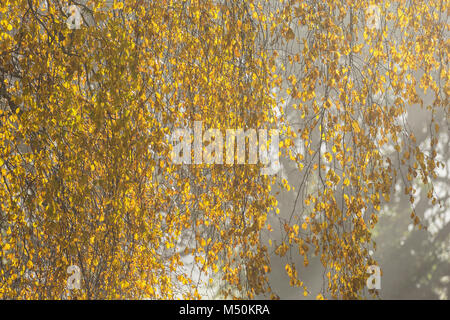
(355, 126)
(118, 5)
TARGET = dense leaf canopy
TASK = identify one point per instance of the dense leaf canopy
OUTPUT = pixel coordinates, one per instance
(86, 118)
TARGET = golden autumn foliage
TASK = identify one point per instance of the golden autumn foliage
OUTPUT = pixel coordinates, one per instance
(86, 117)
